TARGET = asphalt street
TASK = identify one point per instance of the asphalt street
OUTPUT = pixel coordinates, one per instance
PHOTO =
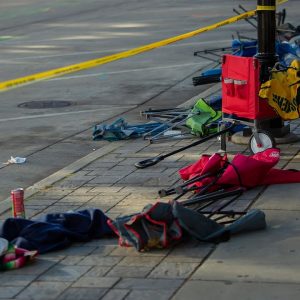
(39, 35)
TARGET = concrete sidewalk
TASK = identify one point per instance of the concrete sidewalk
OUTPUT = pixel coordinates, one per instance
(259, 265)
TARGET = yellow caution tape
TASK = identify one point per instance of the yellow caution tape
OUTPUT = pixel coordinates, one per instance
(265, 7)
(14, 83)
(281, 1)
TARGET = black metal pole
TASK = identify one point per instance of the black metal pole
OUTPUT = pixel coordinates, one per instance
(266, 54)
(266, 31)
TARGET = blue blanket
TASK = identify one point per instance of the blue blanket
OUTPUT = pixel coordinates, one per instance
(55, 231)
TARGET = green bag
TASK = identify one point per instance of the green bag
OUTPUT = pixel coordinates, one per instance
(205, 115)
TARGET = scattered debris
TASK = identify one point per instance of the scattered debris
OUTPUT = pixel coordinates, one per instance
(15, 160)
(120, 130)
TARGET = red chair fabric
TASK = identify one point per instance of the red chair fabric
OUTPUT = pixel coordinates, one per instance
(240, 88)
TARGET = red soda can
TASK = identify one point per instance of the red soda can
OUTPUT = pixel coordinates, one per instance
(17, 198)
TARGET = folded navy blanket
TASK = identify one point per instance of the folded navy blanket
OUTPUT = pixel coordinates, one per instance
(55, 231)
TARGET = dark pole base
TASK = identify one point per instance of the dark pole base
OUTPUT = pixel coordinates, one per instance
(266, 32)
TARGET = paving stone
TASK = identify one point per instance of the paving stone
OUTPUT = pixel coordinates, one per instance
(79, 174)
(140, 261)
(129, 271)
(296, 158)
(126, 210)
(138, 190)
(134, 201)
(88, 205)
(75, 199)
(228, 290)
(127, 161)
(72, 260)
(163, 294)
(99, 184)
(112, 215)
(54, 256)
(117, 168)
(252, 193)
(107, 199)
(34, 208)
(105, 179)
(60, 208)
(62, 272)
(155, 169)
(171, 171)
(11, 279)
(148, 284)
(82, 294)
(36, 267)
(293, 164)
(95, 260)
(104, 207)
(131, 251)
(98, 271)
(103, 250)
(43, 290)
(190, 157)
(282, 164)
(38, 202)
(106, 189)
(44, 197)
(9, 291)
(53, 193)
(248, 257)
(72, 183)
(115, 294)
(134, 178)
(99, 282)
(111, 158)
(82, 191)
(5, 215)
(173, 270)
(98, 164)
(30, 213)
(175, 164)
(162, 181)
(189, 251)
(111, 172)
(281, 196)
(148, 194)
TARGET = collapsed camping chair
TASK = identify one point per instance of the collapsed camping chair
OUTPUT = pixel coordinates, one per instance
(200, 120)
(207, 215)
(172, 122)
(216, 183)
(163, 224)
(120, 130)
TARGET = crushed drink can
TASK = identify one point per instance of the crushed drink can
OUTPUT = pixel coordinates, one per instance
(17, 198)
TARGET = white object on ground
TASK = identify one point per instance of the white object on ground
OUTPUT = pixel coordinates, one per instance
(16, 160)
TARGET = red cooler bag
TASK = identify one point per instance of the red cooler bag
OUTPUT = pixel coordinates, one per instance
(240, 88)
